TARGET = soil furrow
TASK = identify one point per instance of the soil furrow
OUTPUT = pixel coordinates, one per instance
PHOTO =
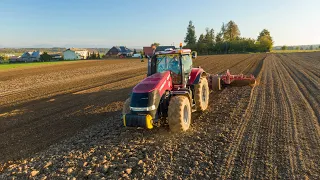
(73, 128)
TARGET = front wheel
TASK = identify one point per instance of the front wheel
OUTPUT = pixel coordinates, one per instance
(179, 114)
(126, 107)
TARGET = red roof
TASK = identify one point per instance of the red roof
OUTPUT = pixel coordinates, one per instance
(148, 51)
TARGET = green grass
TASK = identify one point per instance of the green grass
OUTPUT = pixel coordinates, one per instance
(293, 51)
(22, 65)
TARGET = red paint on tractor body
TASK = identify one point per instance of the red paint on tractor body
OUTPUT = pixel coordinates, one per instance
(159, 81)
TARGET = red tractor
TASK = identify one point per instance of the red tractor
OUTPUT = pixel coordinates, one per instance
(172, 91)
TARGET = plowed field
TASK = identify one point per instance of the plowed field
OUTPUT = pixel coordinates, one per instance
(64, 121)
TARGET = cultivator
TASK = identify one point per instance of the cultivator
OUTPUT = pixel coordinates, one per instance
(216, 82)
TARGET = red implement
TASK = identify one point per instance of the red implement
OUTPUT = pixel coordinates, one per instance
(228, 78)
(216, 81)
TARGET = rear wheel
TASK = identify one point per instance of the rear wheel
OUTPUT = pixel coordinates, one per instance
(201, 94)
(126, 106)
(179, 114)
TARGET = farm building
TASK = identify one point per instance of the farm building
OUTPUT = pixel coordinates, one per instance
(119, 51)
(162, 48)
(55, 56)
(30, 56)
(14, 59)
(147, 51)
(73, 54)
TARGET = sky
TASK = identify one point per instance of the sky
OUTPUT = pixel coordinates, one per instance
(137, 23)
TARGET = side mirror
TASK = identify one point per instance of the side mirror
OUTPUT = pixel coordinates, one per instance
(194, 54)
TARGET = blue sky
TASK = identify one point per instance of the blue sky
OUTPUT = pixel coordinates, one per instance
(136, 23)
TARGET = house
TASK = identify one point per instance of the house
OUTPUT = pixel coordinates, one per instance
(147, 51)
(30, 56)
(74, 53)
(14, 59)
(119, 51)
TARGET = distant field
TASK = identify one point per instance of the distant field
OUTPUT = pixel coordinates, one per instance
(22, 65)
(16, 54)
(293, 51)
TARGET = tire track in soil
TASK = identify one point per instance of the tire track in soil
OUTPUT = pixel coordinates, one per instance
(308, 84)
(266, 145)
(231, 152)
(46, 125)
(42, 122)
(308, 130)
(13, 97)
(278, 137)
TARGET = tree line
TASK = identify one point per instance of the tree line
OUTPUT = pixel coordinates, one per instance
(227, 40)
(93, 55)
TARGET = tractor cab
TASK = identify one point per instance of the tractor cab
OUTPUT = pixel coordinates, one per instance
(177, 61)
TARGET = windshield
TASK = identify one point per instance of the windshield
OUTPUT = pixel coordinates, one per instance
(168, 62)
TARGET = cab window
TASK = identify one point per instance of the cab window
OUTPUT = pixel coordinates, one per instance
(187, 63)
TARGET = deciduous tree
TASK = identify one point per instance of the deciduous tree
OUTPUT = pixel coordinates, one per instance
(284, 47)
(230, 31)
(155, 44)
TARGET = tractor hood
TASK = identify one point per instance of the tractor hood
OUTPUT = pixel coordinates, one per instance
(146, 95)
(157, 81)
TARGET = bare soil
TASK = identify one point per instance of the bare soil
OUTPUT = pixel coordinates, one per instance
(64, 122)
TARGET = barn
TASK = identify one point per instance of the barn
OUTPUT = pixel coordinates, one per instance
(147, 51)
(119, 51)
(162, 48)
(74, 53)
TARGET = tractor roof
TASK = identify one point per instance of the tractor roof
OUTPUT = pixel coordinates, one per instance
(174, 51)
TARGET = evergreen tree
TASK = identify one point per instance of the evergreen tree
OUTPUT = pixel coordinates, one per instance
(311, 47)
(190, 38)
(45, 57)
(93, 55)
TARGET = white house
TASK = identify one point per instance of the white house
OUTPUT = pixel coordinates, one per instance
(73, 53)
(31, 56)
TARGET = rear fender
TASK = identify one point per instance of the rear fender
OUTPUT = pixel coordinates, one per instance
(195, 75)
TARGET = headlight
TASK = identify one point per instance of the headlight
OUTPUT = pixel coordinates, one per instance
(150, 108)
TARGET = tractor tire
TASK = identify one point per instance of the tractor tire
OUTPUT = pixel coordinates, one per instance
(179, 114)
(216, 83)
(201, 94)
(126, 106)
